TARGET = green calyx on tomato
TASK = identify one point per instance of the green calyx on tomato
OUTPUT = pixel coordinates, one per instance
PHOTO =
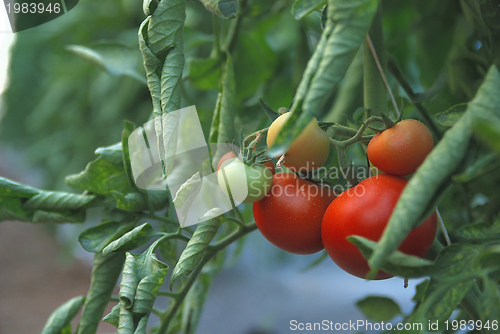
(290, 215)
(401, 149)
(308, 151)
(364, 210)
(246, 183)
(230, 155)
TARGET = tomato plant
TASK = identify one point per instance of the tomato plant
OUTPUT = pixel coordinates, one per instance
(402, 148)
(339, 63)
(290, 215)
(364, 210)
(308, 151)
(247, 183)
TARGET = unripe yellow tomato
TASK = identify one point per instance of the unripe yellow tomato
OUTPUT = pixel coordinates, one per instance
(308, 151)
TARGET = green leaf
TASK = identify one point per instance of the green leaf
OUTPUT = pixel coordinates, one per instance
(301, 8)
(10, 188)
(186, 195)
(105, 273)
(136, 202)
(193, 304)
(268, 110)
(195, 248)
(203, 73)
(128, 128)
(318, 261)
(166, 26)
(397, 263)
(437, 168)
(254, 63)
(488, 131)
(451, 280)
(101, 177)
(113, 316)
(226, 9)
(169, 135)
(54, 200)
(479, 232)
(111, 153)
(352, 21)
(452, 115)
(161, 44)
(490, 257)
(142, 325)
(131, 240)
(151, 278)
(420, 291)
(67, 329)
(153, 68)
(378, 308)
(62, 316)
(301, 117)
(489, 300)
(128, 285)
(41, 217)
(126, 323)
(480, 166)
(345, 31)
(11, 208)
(97, 237)
(114, 58)
(143, 274)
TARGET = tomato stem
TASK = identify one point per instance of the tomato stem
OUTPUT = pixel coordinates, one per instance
(443, 228)
(396, 73)
(381, 71)
(374, 92)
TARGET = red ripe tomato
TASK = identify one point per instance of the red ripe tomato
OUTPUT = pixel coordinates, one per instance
(290, 215)
(401, 149)
(364, 210)
(230, 155)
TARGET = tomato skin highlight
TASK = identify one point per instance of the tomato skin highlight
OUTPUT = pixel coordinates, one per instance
(309, 151)
(365, 210)
(230, 155)
(401, 149)
(291, 214)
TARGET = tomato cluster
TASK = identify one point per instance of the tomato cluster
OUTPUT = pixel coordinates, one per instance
(365, 209)
(303, 217)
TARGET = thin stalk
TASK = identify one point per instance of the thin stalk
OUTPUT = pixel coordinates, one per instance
(374, 93)
(341, 148)
(443, 228)
(382, 74)
(396, 73)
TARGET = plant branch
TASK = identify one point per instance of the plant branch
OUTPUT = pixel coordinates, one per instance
(382, 74)
(374, 93)
(443, 228)
(210, 253)
(396, 73)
